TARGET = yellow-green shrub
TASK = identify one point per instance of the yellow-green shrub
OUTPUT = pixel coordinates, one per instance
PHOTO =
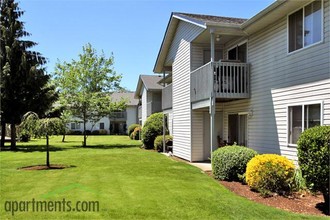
(270, 173)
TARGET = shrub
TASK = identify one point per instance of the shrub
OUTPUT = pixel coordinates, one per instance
(95, 132)
(270, 173)
(228, 163)
(103, 132)
(158, 143)
(74, 132)
(314, 157)
(151, 129)
(88, 132)
(131, 129)
(135, 135)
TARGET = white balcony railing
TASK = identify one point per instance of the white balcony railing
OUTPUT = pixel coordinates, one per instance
(227, 80)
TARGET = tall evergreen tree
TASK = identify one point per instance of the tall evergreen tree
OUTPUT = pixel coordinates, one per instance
(24, 84)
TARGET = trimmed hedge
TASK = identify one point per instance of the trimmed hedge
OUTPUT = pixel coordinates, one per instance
(158, 144)
(99, 132)
(151, 129)
(270, 173)
(229, 163)
(74, 132)
(314, 157)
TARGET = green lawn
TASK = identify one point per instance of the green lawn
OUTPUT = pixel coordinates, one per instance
(128, 183)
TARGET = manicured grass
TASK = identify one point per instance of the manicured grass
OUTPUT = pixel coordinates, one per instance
(128, 183)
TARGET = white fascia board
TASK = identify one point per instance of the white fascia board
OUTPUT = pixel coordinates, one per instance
(190, 20)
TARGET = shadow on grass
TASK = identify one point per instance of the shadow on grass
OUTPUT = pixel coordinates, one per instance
(111, 146)
(29, 148)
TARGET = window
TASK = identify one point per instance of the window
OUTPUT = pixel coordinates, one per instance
(75, 126)
(305, 26)
(238, 53)
(302, 117)
(101, 125)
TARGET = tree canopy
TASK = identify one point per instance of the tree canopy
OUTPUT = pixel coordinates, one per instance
(24, 84)
(85, 86)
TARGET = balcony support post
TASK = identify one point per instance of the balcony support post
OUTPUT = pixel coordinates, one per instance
(212, 130)
(212, 45)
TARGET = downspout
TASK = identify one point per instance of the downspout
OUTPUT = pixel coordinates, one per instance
(164, 129)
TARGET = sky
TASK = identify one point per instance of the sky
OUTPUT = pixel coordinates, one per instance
(131, 30)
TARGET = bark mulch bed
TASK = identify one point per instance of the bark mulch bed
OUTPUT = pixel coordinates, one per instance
(44, 167)
(304, 202)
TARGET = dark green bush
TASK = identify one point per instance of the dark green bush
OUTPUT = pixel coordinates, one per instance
(131, 128)
(151, 129)
(88, 132)
(74, 132)
(95, 132)
(158, 143)
(228, 163)
(314, 157)
(135, 135)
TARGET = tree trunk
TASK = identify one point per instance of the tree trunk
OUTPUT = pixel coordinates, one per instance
(47, 149)
(3, 134)
(85, 138)
(12, 136)
(63, 138)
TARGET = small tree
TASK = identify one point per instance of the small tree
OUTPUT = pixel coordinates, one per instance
(85, 86)
(314, 157)
(45, 127)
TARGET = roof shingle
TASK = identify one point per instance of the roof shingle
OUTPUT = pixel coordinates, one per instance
(211, 18)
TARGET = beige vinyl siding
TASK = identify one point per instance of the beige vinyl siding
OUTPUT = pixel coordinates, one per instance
(298, 95)
(180, 53)
(197, 146)
(197, 56)
(274, 70)
(131, 115)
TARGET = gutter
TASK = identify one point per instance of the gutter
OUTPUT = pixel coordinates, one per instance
(263, 13)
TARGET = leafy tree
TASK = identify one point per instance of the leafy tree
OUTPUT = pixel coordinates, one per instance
(85, 86)
(44, 127)
(24, 84)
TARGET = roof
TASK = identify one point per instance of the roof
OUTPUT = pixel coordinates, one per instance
(277, 10)
(207, 19)
(117, 96)
(150, 82)
(203, 21)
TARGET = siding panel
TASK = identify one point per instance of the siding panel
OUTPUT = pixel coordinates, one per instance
(279, 79)
(180, 52)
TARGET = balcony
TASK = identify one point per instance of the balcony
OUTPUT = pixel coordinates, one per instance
(118, 115)
(153, 107)
(167, 97)
(227, 80)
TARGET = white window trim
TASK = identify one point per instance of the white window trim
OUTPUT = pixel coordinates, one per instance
(322, 28)
(302, 121)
